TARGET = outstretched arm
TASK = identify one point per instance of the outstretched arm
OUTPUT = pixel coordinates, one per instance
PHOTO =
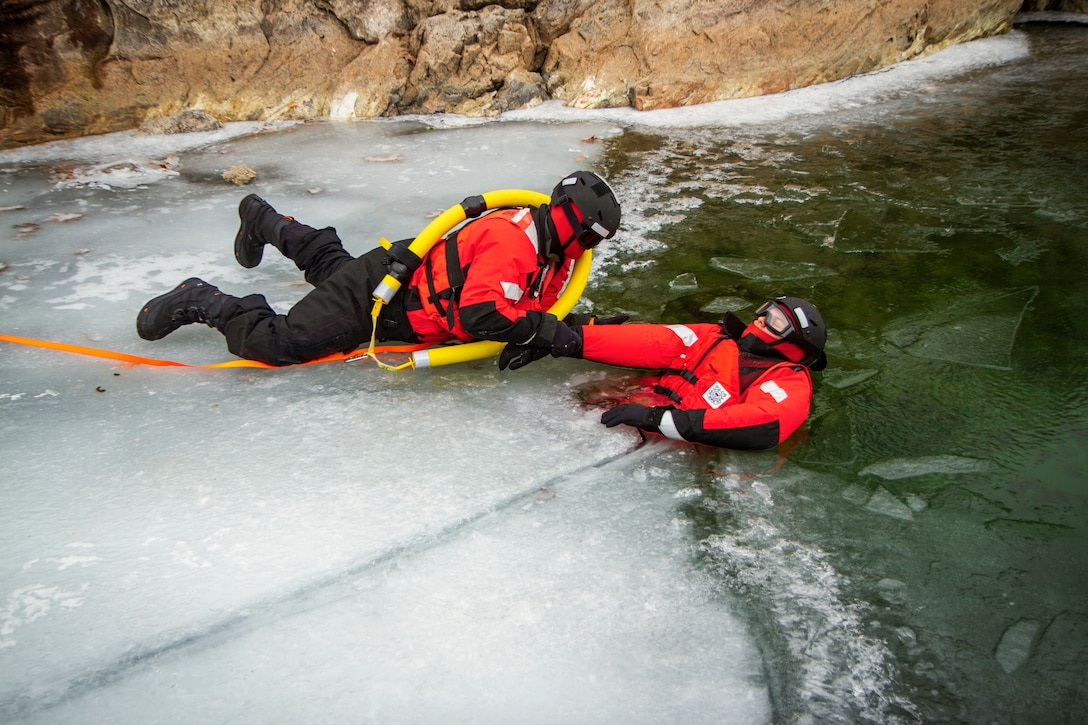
(641, 345)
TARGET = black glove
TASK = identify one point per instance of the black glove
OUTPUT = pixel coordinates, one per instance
(567, 341)
(587, 319)
(634, 414)
(518, 356)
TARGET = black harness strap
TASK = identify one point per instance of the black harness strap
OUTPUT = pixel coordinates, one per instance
(455, 276)
(668, 393)
(683, 373)
(687, 375)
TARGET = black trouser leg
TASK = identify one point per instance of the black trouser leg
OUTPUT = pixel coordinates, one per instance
(334, 317)
(317, 252)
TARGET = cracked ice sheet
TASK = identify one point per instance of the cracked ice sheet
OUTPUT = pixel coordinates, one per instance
(214, 508)
(547, 610)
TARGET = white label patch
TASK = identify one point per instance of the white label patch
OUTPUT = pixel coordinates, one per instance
(771, 388)
(716, 395)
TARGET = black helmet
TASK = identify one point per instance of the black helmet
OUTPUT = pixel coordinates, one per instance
(595, 200)
(800, 323)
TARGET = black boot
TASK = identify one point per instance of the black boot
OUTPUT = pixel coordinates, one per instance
(194, 300)
(261, 225)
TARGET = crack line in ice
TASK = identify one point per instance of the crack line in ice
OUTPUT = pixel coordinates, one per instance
(321, 592)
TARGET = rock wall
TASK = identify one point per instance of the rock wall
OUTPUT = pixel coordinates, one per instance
(77, 67)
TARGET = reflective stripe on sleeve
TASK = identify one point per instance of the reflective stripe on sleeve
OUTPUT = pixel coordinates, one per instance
(511, 291)
(773, 389)
(668, 427)
(685, 333)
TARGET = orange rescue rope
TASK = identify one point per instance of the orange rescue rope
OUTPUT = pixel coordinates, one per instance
(137, 360)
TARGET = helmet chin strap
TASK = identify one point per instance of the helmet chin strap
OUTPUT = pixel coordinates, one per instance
(555, 247)
(573, 240)
(753, 344)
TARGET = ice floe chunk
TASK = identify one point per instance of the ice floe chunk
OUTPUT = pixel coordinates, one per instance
(897, 468)
(1014, 649)
(978, 330)
(685, 282)
(884, 502)
(892, 591)
(769, 271)
(721, 305)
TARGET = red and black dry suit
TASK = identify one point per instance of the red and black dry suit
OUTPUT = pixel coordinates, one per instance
(502, 283)
(715, 393)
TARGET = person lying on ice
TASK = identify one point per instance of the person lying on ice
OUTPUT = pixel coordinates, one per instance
(731, 385)
(509, 267)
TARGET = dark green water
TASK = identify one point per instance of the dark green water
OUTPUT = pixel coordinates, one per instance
(919, 555)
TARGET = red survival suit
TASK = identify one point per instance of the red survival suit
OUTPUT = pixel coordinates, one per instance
(500, 288)
(717, 394)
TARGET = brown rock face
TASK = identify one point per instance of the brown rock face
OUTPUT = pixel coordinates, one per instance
(679, 52)
(76, 67)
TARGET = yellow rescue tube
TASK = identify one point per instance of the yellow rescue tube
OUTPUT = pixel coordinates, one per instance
(442, 225)
(466, 352)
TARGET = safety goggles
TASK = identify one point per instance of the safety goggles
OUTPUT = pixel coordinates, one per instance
(589, 236)
(586, 239)
(777, 318)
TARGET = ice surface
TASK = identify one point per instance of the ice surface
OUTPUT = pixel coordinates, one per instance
(721, 305)
(130, 144)
(322, 542)
(883, 502)
(841, 668)
(854, 233)
(324, 537)
(490, 616)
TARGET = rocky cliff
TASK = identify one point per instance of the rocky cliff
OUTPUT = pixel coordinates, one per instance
(76, 67)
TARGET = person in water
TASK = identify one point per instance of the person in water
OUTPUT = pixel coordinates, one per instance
(731, 385)
(493, 279)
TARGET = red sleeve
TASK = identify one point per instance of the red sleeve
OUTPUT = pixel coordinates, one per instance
(641, 345)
